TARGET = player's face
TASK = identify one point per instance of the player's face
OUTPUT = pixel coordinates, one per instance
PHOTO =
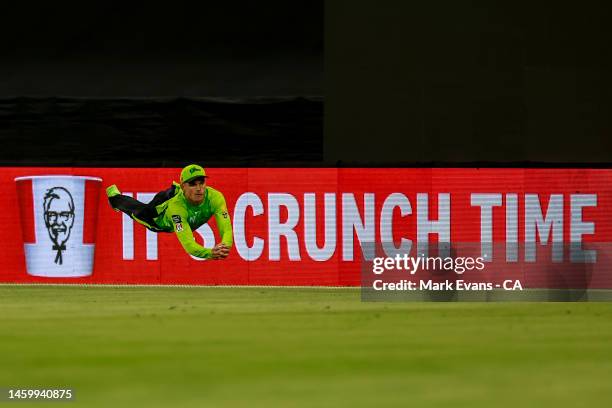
(194, 190)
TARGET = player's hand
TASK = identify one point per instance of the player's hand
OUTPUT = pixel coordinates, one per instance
(220, 251)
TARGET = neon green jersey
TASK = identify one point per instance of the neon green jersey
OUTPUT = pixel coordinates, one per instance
(179, 215)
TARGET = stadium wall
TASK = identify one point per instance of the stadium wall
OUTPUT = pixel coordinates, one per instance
(316, 226)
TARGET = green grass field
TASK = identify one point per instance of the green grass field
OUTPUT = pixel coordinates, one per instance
(265, 347)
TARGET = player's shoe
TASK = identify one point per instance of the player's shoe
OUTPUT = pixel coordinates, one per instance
(112, 191)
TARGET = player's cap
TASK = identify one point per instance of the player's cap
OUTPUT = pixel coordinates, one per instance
(191, 172)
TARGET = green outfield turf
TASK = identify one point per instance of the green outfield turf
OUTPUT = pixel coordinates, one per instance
(271, 347)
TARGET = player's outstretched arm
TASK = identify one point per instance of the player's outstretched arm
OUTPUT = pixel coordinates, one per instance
(185, 236)
(220, 251)
(223, 220)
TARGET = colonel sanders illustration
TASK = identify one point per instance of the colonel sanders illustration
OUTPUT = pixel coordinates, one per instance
(59, 218)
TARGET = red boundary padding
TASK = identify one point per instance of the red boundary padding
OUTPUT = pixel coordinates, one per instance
(371, 201)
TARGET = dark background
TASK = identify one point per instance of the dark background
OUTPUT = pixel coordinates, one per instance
(185, 49)
(468, 82)
(243, 84)
(141, 84)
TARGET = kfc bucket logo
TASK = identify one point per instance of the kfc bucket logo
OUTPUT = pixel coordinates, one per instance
(58, 219)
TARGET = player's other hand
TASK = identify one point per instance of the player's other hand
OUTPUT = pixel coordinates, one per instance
(220, 251)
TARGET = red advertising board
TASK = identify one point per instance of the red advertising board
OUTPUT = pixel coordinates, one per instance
(302, 226)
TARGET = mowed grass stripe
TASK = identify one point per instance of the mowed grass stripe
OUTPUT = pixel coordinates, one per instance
(300, 347)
